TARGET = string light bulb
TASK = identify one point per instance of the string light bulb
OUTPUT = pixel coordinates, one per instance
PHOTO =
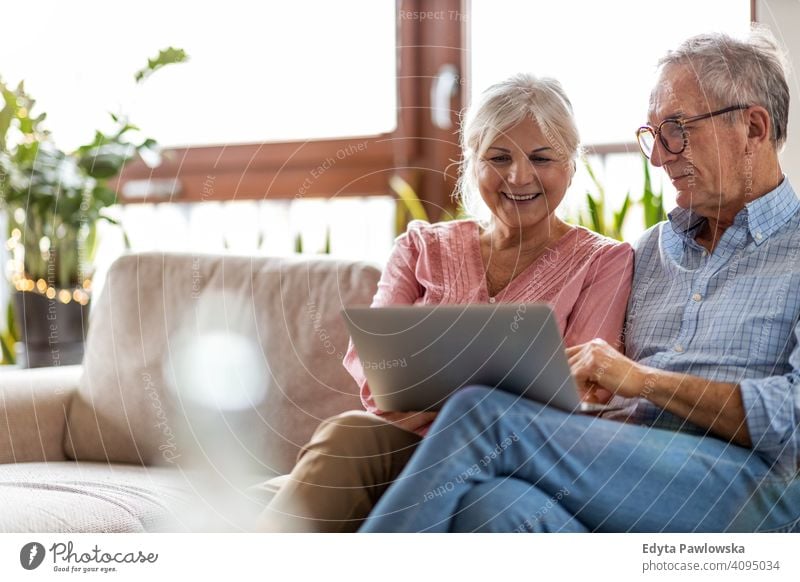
(80, 294)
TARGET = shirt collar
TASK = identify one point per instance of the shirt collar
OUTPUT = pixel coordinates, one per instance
(762, 217)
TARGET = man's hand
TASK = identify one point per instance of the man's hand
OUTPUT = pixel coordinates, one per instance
(410, 421)
(601, 371)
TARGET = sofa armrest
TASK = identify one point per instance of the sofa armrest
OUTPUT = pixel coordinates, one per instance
(33, 412)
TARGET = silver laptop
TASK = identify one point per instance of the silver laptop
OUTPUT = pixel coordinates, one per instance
(415, 357)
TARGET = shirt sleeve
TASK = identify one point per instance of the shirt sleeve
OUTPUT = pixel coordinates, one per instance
(772, 409)
(398, 285)
(599, 311)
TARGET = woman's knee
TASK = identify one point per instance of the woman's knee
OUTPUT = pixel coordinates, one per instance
(352, 419)
(356, 433)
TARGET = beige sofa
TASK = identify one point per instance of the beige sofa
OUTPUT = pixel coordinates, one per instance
(113, 445)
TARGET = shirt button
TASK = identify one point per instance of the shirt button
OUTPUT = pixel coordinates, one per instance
(759, 236)
(679, 348)
(704, 253)
(491, 299)
(697, 297)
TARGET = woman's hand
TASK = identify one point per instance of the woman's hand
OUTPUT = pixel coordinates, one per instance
(601, 371)
(410, 421)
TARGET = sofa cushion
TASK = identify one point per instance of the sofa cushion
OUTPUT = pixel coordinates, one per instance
(124, 410)
(90, 497)
(34, 404)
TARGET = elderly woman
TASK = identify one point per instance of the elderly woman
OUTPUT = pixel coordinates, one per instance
(520, 145)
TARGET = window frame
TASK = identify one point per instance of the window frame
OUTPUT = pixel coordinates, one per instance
(417, 150)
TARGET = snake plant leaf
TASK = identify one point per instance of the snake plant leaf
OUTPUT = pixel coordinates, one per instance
(326, 249)
(7, 345)
(120, 226)
(405, 193)
(653, 203)
(620, 215)
(91, 242)
(595, 214)
(11, 321)
(597, 184)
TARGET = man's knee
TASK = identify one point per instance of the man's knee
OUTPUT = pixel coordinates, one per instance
(492, 506)
(467, 399)
(484, 401)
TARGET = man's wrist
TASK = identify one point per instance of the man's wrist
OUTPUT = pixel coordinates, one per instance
(647, 380)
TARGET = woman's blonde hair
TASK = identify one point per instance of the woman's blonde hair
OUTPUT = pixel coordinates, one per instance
(501, 107)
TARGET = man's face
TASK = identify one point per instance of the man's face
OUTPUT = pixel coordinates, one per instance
(709, 173)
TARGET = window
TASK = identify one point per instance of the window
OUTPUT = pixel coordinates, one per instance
(604, 54)
(259, 71)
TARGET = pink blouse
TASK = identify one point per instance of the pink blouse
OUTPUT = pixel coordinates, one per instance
(585, 277)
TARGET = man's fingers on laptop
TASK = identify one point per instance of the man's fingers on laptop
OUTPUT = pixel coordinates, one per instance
(591, 391)
(597, 361)
(594, 394)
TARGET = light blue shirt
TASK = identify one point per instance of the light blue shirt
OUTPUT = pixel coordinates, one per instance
(730, 316)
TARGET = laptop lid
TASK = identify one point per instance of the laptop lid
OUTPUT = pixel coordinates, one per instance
(415, 357)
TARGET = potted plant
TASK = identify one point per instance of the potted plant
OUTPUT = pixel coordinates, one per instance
(54, 202)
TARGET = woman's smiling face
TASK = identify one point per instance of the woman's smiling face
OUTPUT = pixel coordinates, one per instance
(522, 178)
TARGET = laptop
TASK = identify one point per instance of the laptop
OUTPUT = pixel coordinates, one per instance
(415, 357)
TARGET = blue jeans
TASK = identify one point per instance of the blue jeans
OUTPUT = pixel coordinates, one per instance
(495, 462)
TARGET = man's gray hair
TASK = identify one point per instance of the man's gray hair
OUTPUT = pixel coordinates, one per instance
(731, 71)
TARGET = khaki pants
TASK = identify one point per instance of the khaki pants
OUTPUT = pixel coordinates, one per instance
(340, 474)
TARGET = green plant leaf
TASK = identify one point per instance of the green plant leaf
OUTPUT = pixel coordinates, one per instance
(326, 249)
(620, 215)
(167, 56)
(91, 242)
(406, 195)
(11, 321)
(107, 160)
(7, 113)
(652, 203)
(9, 336)
(61, 195)
(595, 214)
(596, 205)
(8, 349)
(600, 190)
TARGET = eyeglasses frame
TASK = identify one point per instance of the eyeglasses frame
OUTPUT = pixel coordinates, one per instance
(656, 133)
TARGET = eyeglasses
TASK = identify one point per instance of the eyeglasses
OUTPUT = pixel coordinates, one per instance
(672, 132)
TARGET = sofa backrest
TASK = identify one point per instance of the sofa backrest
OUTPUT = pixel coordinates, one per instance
(124, 410)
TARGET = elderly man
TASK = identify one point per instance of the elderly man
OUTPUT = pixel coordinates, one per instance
(710, 440)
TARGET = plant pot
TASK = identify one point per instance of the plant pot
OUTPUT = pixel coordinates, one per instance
(52, 333)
